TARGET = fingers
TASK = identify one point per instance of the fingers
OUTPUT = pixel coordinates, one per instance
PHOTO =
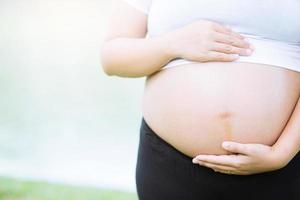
(226, 30)
(237, 172)
(225, 48)
(224, 160)
(226, 169)
(221, 29)
(217, 167)
(231, 40)
(218, 56)
(237, 147)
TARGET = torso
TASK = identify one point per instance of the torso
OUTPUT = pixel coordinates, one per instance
(194, 107)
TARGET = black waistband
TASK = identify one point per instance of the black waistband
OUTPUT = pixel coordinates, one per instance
(182, 161)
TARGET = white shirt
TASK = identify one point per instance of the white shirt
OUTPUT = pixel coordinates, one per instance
(273, 27)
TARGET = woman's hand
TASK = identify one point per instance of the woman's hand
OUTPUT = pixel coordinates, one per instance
(246, 159)
(205, 41)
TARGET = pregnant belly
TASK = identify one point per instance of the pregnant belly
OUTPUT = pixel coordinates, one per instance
(195, 107)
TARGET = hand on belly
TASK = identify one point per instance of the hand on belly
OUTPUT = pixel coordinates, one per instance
(197, 107)
(245, 159)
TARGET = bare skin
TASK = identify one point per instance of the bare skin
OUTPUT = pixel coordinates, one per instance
(196, 107)
(203, 41)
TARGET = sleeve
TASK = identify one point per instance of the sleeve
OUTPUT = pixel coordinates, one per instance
(141, 5)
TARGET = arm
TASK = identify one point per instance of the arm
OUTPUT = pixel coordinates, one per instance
(288, 144)
(127, 57)
(258, 158)
(126, 52)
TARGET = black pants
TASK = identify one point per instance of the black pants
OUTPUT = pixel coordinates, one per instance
(164, 173)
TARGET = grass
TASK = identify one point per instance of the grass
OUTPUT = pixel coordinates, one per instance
(15, 189)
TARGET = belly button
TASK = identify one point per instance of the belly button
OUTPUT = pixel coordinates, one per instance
(225, 115)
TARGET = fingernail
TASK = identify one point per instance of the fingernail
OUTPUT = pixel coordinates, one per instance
(197, 161)
(252, 46)
(247, 40)
(226, 144)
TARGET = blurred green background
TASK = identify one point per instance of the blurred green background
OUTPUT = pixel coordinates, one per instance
(62, 120)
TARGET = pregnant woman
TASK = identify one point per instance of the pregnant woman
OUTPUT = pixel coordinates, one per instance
(221, 108)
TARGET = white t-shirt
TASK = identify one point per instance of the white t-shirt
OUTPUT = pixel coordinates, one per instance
(273, 27)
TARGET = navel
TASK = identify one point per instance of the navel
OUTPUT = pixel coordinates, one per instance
(225, 115)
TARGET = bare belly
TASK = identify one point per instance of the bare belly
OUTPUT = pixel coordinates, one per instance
(195, 107)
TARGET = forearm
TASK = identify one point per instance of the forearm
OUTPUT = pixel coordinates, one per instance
(288, 143)
(134, 57)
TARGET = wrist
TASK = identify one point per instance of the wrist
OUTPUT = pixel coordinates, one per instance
(167, 45)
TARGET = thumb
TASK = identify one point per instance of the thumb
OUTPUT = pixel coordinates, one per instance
(236, 147)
